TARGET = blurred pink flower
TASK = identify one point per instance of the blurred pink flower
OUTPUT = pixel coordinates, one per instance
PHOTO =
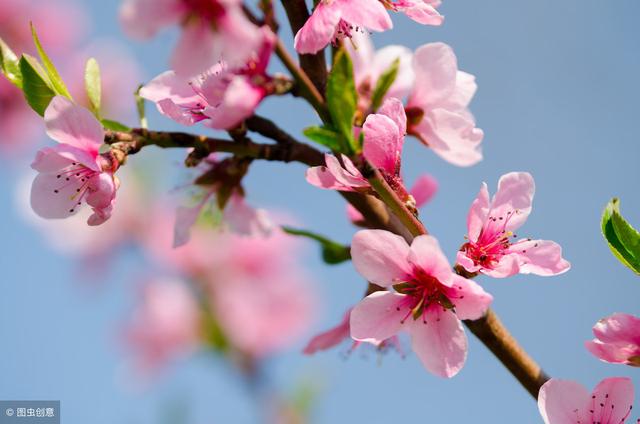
(336, 19)
(428, 300)
(369, 65)
(222, 96)
(567, 402)
(617, 339)
(490, 227)
(165, 324)
(437, 108)
(74, 171)
(212, 31)
(19, 125)
(421, 11)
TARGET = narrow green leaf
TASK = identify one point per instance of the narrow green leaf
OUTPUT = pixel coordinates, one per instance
(384, 83)
(140, 106)
(35, 84)
(325, 136)
(114, 126)
(10, 65)
(623, 239)
(332, 252)
(56, 81)
(93, 85)
(342, 99)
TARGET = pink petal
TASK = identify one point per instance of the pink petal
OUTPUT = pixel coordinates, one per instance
(614, 353)
(466, 262)
(435, 67)
(102, 190)
(507, 266)
(74, 125)
(376, 317)
(618, 327)
(469, 298)
(381, 257)
(241, 98)
(382, 143)
(330, 338)
(100, 216)
(616, 394)
(168, 85)
(53, 159)
(404, 79)
(369, 14)
(441, 343)
(452, 135)
(426, 254)
(197, 50)
(424, 189)
(171, 110)
(347, 175)
(51, 205)
(239, 40)
(514, 195)
(321, 177)
(541, 257)
(421, 12)
(244, 220)
(144, 18)
(186, 218)
(465, 90)
(394, 110)
(563, 402)
(478, 213)
(319, 29)
(353, 214)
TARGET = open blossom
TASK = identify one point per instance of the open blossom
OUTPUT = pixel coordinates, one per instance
(492, 248)
(567, 402)
(221, 97)
(74, 171)
(334, 20)
(383, 141)
(428, 299)
(369, 65)
(617, 339)
(438, 106)
(165, 324)
(212, 30)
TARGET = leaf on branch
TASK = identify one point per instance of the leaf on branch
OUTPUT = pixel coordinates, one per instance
(114, 125)
(57, 84)
(325, 136)
(384, 83)
(36, 85)
(10, 65)
(93, 85)
(332, 252)
(342, 99)
(623, 239)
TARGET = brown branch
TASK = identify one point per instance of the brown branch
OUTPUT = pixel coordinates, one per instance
(314, 65)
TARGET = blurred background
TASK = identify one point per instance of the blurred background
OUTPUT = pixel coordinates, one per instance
(558, 89)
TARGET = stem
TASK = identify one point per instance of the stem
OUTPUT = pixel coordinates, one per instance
(308, 89)
(314, 65)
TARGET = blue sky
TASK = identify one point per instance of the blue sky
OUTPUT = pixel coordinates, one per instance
(558, 89)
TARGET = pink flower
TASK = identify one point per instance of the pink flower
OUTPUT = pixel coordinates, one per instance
(421, 11)
(165, 324)
(567, 402)
(221, 97)
(369, 65)
(492, 249)
(336, 19)
(74, 171)
(428, 300)
(383, 141)
(422, 192)
(617, 339)
(437, 107)
(213, 30)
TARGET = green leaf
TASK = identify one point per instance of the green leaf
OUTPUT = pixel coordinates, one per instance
(35, 84)
(140, 106)
(93, 85)
(384, 83)
(332, 252)
(623, 239)
(56, 81)
(108, 124)
(342, 99)
(325, 136)
(10, 65)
